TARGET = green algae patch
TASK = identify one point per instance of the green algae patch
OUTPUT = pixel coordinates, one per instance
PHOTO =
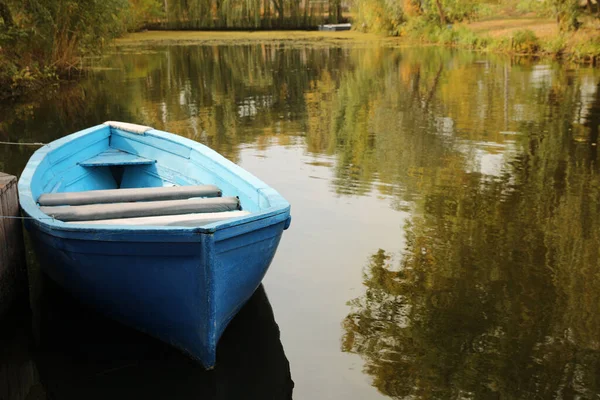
(288, 38)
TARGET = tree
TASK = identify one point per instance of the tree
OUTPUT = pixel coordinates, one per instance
(335, 11)
(441, 12)
(565, 12)
(140, 12)
(6, 15)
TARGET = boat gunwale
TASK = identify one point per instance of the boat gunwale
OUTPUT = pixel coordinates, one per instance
(278, 206)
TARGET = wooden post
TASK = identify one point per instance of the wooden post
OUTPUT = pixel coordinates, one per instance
(13, 275)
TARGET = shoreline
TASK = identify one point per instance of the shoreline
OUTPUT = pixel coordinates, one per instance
(494, 36)
(578, 47)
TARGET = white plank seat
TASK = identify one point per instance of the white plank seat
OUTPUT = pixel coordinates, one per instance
(115, 157)
(92, 212)
(186, 220)
(128, 195)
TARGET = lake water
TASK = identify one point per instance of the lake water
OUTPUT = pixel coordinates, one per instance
(445, 237)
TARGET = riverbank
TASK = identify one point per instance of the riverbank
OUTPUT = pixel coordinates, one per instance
(525, 36)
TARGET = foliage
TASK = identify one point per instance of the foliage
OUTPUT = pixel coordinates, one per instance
(484, 10)
(139, 13)
(381, 16)
(586, 51)
(454, 10)
(63, 30)
(49, 36)
(469, 39)
(460, 36)
(566, 13)
(525, 41)
(536, 6)
(554, 46)
(431, 12)
(582, 46)
(244, 14)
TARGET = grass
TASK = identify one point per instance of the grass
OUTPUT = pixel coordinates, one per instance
(524, 35)
(504, 27)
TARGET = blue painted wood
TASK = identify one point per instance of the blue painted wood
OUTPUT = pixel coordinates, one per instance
(115, 157)
(180, 284)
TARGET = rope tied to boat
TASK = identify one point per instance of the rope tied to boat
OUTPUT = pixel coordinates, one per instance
(24, 144)
(15, 217)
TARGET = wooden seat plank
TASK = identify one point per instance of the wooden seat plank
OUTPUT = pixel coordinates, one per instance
(115, 157)
(186, 220)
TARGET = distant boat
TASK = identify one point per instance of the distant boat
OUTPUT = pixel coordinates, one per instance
(155, 230)
(335, 27)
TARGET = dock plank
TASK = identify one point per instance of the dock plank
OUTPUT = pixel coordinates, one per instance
(12, 255)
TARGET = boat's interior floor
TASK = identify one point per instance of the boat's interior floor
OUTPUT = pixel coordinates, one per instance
(157, 206)
(117, 177)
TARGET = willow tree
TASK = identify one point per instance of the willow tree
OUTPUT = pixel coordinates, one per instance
(335, 11)
(142, 12)
(566, 13)
(66, 29)
(241, 13)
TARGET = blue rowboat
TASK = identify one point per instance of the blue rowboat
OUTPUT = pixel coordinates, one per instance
(154, 230)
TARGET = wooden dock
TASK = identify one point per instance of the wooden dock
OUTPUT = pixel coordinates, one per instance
(13, 275)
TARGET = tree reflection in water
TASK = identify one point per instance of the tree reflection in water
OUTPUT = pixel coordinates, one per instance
(498, 290)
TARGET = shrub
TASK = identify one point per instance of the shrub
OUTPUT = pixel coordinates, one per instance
(554, 46)
(141, 12)
(454, 10)
(48, 36)
(536, 6)
(525, 41)
(467, 38)
(380, 16)
(586, 51)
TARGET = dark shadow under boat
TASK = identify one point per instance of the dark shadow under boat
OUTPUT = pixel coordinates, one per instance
(82, 354)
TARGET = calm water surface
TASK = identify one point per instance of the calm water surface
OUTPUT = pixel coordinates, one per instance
(445, 234)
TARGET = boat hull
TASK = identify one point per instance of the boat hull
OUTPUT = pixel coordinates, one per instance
(182, 289)
(181, 284)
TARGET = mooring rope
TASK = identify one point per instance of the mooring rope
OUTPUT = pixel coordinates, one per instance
(24, 144)
(13, 217)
